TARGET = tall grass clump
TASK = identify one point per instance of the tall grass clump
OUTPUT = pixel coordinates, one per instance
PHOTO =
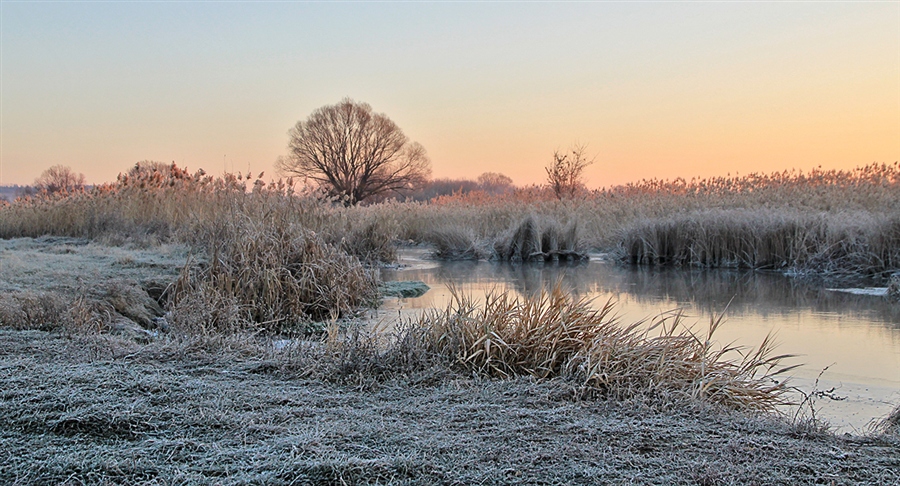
(535, 240)
(44, 311)
(838, 244)
(551, 335)
(529, 239)
(891, 423)
(271, 275)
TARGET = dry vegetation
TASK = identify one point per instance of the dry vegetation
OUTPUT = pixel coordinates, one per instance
(258, 262)
(551, 335)
(823, 221)
(235, 411)
(831, 223)
(263, 257)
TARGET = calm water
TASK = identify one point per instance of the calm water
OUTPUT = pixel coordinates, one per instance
(857, 337)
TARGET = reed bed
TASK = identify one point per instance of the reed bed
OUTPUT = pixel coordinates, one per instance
(835, 244)
(268, 239)
(155, 203)
(165, 203)
(852, 203)
(553, 335)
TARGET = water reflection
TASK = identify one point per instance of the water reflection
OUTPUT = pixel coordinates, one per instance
(743, 293)
(856, 336)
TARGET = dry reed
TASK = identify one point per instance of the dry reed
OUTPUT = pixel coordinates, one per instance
(272, 276)
(839, 223)
(838, 244)
(550, 335)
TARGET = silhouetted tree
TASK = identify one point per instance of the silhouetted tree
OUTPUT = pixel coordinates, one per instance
(565, 173)
(495, 183)
(354, 153)
(59, 178)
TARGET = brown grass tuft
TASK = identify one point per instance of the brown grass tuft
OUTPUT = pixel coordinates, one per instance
(551, 335)
(272, 276)
(891, 423)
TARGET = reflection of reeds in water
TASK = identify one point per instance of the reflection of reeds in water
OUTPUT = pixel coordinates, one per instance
(749, 293)
(708, 290)
(551, 334)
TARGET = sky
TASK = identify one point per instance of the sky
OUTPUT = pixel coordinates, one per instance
(653, 89)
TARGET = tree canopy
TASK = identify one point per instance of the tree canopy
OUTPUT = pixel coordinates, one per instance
(59, 178)
(354, 153)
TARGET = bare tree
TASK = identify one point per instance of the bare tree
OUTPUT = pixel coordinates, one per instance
(495, 183)
(354, 153)
(565, 173)
(59, 178)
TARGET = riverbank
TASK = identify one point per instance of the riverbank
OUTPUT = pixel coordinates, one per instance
(105, 411)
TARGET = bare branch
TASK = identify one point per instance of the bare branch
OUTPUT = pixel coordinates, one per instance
(565, 172)
(59, 178)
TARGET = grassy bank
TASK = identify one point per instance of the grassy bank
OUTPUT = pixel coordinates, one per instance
(262, 257)
(109, 412)
(547, 336)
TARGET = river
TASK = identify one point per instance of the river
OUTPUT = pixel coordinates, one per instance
(849, 342)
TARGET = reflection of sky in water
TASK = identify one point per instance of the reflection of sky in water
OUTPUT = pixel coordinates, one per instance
(858, 336)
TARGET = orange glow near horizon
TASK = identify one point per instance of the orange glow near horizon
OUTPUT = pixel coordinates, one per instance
(653, 90)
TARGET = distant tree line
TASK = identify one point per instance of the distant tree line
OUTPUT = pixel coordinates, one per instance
(491, 183)
(358, 156)
(56, 179)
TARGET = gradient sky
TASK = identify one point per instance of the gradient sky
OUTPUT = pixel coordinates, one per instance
(654, 89)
